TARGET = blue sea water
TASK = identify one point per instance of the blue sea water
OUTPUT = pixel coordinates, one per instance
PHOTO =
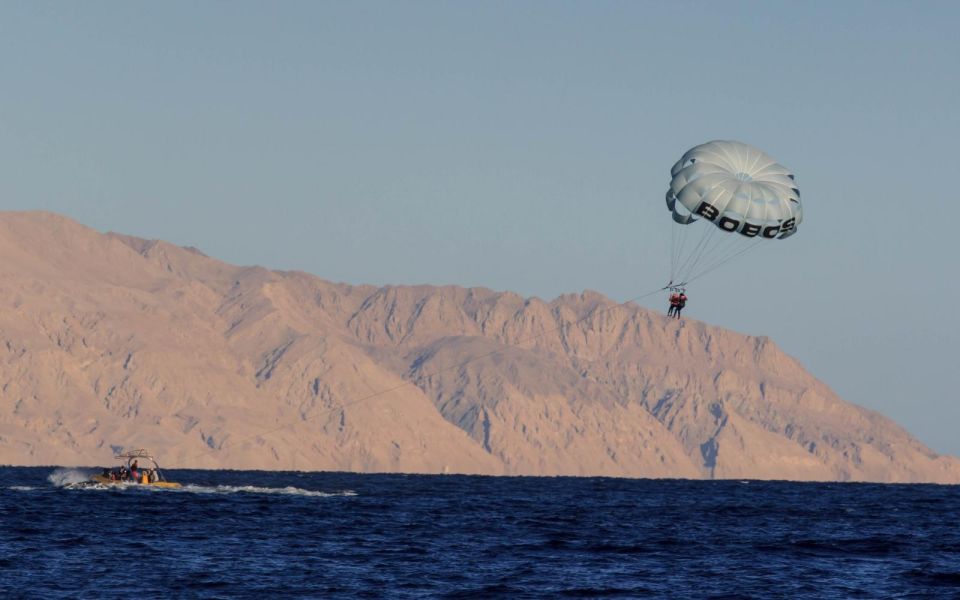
(238, 534)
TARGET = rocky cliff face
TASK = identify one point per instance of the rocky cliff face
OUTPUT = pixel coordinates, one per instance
(109, 341)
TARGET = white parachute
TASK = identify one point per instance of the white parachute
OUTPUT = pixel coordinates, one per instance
(742, 196)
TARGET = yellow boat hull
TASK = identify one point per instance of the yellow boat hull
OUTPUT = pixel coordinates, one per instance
(157, 484)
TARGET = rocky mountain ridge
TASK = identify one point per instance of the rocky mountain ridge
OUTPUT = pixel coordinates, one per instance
(110, 341)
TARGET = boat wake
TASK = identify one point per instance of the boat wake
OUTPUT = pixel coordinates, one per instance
(114, 487)
(69, 477)
(252, 489)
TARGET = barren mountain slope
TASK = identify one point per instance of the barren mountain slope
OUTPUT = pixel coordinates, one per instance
(737, 405)
(113, 345)
(108, 340)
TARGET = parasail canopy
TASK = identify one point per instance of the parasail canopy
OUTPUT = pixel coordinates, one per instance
(740, 192)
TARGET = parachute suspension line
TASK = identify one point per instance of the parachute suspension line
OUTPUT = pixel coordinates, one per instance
(719, 263)
(685, 236)
(723, 245)
(681, 236)
(674, 244)
(684, 257)
(701, 251)
(678, 240)
(721, 253)
(688, 261)
(735, 248)
(711, 251)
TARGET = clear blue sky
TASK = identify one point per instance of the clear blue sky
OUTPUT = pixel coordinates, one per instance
(522, 146)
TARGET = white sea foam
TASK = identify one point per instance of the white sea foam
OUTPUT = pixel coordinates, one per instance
(252, 489)
(22, 488)
(67, 477)
(117, 486)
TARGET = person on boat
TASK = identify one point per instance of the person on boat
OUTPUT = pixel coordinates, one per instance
(674, 300)
(681, 302)
(134, 472)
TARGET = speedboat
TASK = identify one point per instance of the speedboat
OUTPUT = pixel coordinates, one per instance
(133, 473)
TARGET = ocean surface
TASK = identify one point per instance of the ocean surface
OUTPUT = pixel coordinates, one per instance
(237, 534)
